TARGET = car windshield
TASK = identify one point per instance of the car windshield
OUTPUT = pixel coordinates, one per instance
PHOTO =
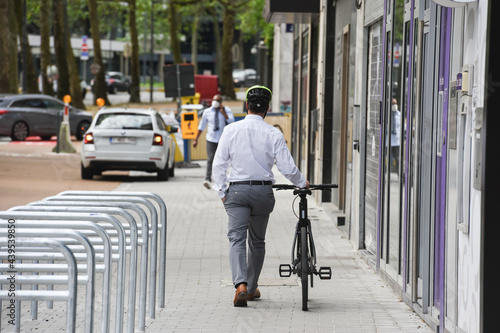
(124, 121)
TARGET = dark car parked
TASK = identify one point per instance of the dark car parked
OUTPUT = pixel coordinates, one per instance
(38, 115)
(115, 82)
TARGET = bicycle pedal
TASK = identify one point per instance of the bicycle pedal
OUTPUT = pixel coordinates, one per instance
(325, 273)
(285, 270)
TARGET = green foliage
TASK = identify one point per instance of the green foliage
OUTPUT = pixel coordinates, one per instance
(113, 14)
(252, 23)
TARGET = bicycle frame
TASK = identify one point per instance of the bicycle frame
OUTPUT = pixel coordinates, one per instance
(303, 222)
(303, 250)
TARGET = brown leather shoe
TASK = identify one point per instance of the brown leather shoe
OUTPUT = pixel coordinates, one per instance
(240, 298)
(256, 294)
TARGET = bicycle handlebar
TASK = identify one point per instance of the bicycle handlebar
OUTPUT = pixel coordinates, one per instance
(311, 187)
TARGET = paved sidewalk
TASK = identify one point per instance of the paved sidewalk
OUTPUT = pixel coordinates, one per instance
(199, 291)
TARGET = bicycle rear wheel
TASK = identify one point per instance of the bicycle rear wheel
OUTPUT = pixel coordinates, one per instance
(304, 267)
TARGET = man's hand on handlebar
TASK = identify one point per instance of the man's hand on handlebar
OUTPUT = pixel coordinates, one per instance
(307, 184)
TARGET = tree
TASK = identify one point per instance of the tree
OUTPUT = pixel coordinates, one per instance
(218, 43)
(13, 66)
(4, 46)
(60, 45)
(228, 24)
(251, 23)
(46, 58)
(99, 83)
(194, 37)
(135, 89)
(31, 84)
(175, 44)
(74, 78)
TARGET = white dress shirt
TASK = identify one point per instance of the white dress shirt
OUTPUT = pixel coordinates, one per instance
(249, 148)
(208, 117)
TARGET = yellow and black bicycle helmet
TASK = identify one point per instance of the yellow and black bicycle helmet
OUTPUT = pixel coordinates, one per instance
(259, 95)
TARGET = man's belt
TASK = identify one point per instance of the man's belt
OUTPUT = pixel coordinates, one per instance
(253, 182)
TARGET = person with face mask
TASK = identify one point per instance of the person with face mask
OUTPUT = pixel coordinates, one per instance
(249, 148)
(214, 119)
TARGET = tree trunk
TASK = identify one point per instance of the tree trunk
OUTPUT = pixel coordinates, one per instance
(74, 79)
(99, 83)
(194, 38)
(218, 47)
(227, 58)
(31, 82)
(175, 45)
(13, 66)
(4, 46)
(135, 88)
(60, 49)
(46, 57)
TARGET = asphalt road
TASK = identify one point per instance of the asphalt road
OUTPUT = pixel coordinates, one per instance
(30, 171)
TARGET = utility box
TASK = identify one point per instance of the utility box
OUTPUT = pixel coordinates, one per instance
(189, 124)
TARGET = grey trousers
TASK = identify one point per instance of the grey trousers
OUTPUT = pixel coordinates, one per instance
(248, 208)
(211, 148)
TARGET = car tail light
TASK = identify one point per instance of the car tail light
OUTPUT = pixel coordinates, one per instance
(157, 140)
(111, 80)
(3, 112)
(89, 138)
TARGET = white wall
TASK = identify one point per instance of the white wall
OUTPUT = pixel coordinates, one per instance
(470, 244)
(282, 68)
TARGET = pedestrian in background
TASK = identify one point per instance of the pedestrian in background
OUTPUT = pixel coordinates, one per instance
(395, 135)
(249, 149)
(216, 118)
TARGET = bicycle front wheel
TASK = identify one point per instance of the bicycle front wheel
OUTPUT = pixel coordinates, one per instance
(304, 266)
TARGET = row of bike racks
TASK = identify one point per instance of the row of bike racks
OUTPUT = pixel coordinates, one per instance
(84, 233)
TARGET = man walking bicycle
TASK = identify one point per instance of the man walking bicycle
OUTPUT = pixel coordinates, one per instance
(249, 149)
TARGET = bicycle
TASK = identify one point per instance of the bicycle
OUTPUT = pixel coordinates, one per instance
(304, 262)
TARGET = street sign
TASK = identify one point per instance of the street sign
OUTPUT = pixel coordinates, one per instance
(189, 124)
(178, 80)
(85, 49)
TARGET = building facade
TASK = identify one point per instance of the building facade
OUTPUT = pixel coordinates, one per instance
(390, 100)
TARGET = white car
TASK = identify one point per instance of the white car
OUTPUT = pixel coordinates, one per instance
(128, 139)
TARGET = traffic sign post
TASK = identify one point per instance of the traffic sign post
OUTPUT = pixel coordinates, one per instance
(84, 56)
(85, 50)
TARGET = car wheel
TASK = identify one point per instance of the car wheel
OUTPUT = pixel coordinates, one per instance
(164, 173)
(19, 131)
(87, 173)
(114, 90)
(83, 126)
(171, 171)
